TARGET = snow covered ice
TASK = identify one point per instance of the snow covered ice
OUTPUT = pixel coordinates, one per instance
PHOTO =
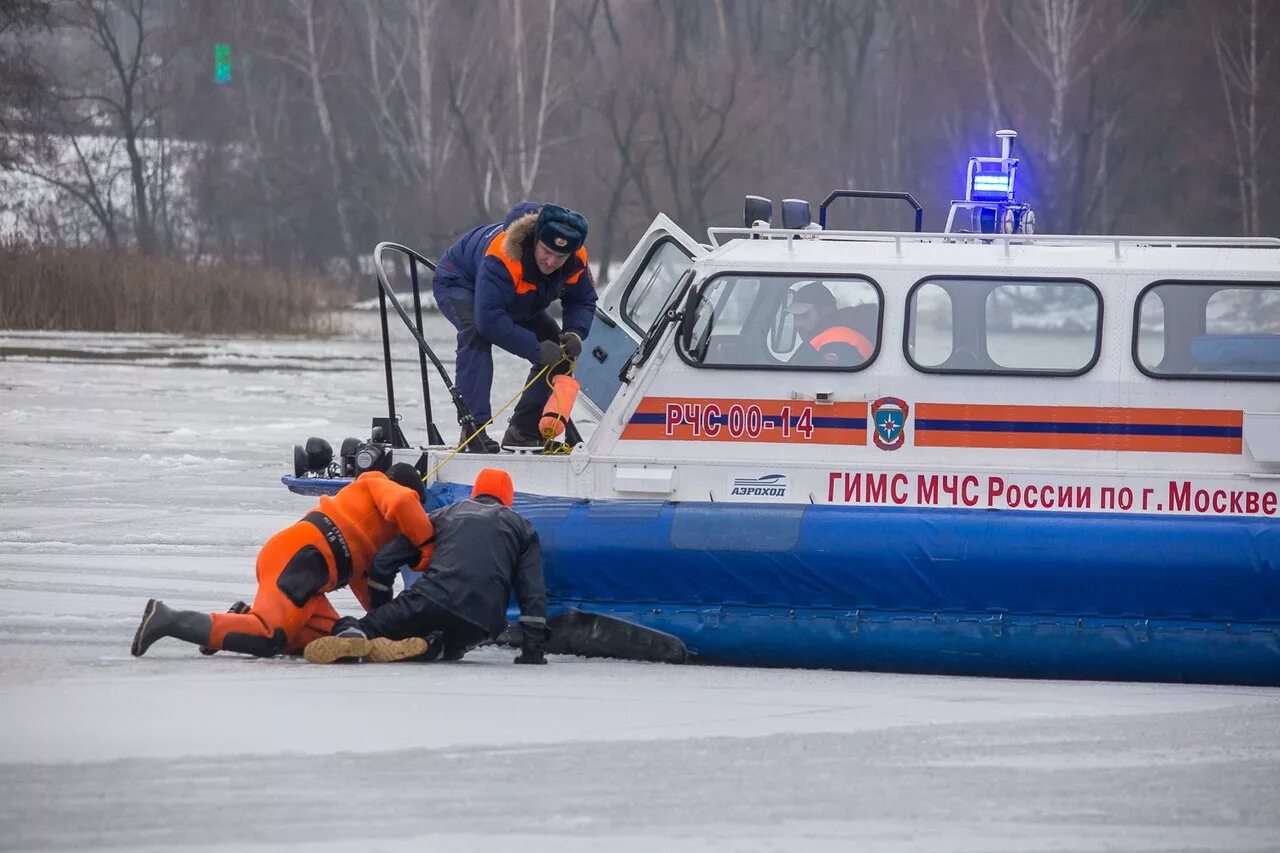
(148, 465)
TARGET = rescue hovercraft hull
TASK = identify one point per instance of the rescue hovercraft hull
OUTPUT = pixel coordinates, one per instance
(979, 452)
(1011, 594)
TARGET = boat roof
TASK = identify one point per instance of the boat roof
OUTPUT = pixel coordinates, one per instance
(1050, 254)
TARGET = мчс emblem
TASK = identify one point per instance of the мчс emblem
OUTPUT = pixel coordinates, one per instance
(889, 423)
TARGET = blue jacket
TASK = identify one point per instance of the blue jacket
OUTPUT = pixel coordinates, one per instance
(495, 263)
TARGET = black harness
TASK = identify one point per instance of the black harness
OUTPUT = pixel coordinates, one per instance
(337, 544)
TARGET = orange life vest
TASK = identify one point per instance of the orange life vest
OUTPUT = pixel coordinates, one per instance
(843, 335)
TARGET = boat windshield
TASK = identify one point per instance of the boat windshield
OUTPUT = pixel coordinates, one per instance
(792, 322)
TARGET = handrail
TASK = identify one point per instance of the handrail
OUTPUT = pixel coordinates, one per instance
(874, 194)
(721, 235)
(385, 293)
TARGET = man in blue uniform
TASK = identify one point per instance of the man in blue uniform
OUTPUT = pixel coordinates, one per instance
(494, 284)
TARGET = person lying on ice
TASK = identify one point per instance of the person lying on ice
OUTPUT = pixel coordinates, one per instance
(332, 546)
(494, 285)
(482, 549)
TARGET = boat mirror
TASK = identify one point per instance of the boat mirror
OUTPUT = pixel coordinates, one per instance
(757, 209)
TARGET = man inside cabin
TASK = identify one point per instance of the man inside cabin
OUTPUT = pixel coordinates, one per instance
(494, 285)
(331, 547)
(829, 338)
(483, 549)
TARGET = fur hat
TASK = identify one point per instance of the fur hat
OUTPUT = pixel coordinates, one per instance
(560, 229)
(496, 483)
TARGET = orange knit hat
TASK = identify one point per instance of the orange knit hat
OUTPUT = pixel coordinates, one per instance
(495, 482)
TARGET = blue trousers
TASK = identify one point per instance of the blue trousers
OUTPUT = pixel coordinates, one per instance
(474, 369)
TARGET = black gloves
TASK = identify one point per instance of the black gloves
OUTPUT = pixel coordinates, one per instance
(571, 342)
(549, 353)
(535, 634)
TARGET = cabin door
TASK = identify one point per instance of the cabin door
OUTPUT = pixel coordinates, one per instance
(632, 299)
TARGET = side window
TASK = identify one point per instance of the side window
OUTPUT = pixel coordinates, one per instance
(1201, 330)
(784, 321)
(1003, 326)
(1043, 327)
(653, 284)
(1150, 332)
(930, 333)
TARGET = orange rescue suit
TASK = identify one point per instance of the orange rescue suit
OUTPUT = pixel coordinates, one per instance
(333, 546)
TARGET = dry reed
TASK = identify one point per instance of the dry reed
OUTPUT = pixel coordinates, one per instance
(46, 287)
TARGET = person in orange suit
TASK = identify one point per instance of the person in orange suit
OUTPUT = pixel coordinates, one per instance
(331, 547)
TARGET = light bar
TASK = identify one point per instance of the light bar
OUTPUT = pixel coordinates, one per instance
(991, 184)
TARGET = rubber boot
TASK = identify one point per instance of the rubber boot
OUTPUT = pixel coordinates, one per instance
(522, 441)
(160, 621)
(238, 607)
(482, 443)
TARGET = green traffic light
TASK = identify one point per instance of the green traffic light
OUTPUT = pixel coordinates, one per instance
(222, 63)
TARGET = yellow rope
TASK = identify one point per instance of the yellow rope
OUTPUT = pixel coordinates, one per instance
(544, 371)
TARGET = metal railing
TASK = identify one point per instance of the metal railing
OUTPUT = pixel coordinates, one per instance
(720, 236)
(414, 325)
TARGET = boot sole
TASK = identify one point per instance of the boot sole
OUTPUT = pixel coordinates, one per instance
(137, 648)
(330, 649)
(383, 650)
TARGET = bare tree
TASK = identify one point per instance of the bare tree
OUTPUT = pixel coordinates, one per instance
(418, 118)
(87, 175)
(1244, 67)
(534, 97)
(20, 78)
(125, 48)
(109, 94)
(1064, 41)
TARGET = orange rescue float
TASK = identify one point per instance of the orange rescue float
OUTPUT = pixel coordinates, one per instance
(564, 391)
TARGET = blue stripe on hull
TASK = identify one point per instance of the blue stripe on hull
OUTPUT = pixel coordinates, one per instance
(972, 644)
(1003, 593)
(1073, 428)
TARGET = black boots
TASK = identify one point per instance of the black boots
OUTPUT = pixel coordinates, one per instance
(160, 621)
(519, 440)
(482, 443)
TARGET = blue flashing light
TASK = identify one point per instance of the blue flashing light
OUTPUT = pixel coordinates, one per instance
(991, 179)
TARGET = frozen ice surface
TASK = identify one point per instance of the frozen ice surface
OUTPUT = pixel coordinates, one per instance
(141, 465)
